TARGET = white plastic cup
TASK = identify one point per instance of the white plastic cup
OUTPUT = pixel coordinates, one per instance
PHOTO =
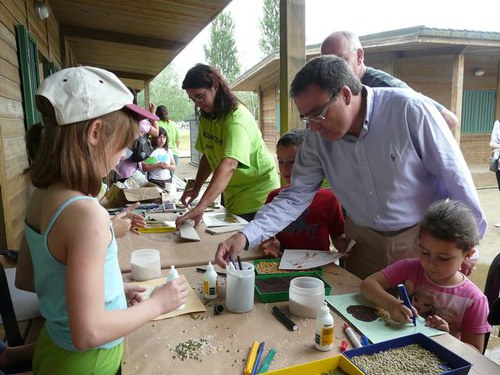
(240, 288)
(171, 188)
(145, 264)
(307, 295)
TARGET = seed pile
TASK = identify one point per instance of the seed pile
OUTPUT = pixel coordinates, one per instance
(269, 267)
(274, 284)
(264, 268)
(337, 371)
(195, 348)
(410, 359)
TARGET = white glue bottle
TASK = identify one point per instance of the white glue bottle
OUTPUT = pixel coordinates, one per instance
(173, 274)
(323, 339)
(210, 284)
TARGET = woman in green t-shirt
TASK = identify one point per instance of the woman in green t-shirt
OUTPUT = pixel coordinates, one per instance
(232, 147)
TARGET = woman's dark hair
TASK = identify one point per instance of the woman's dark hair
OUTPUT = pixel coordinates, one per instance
(162, 112)
(451, 221)
(204, 76)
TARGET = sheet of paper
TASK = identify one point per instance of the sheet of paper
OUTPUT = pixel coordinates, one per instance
(306, 259)
(193, 303)
(360, 313)
(220, 219)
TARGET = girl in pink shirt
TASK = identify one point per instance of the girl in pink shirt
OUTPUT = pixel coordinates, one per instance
(439, 292)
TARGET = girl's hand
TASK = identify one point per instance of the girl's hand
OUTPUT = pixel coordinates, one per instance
(172, 294)
(437, 322)
(400, 313)
(133, 293)
(271, 247)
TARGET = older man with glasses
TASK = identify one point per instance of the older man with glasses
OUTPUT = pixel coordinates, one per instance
(346, 45)
(387, 154)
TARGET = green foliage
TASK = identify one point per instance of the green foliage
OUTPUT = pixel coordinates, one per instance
(269, 41)
(221, 51)
(251, 101)
(166, 89)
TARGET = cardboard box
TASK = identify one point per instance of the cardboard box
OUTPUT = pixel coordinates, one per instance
(319, 367)
(452, 363)
(117, 197)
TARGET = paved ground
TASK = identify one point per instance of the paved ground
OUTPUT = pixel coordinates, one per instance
(489, 195)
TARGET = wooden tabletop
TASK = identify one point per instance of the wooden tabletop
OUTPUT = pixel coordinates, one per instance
(151, 349)
(176, 251)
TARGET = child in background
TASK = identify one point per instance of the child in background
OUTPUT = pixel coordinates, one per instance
(69, 254)
(321, 221)
(439, 291)
(159, 170)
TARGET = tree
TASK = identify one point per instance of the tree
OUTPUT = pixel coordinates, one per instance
(166, 89)
(221, 51)
(269, 41)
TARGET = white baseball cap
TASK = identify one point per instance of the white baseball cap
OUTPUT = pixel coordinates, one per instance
(84, 93)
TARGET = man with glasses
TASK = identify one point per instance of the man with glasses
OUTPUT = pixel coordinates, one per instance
(346, 45)
(387, 154)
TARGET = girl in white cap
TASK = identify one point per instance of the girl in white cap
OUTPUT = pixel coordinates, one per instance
(69, 254)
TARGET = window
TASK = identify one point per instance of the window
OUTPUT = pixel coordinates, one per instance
(30, 76)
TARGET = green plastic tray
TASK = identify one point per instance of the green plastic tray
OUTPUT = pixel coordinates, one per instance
(318, 270)
(283, 295)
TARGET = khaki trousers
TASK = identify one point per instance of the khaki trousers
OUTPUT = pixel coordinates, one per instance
(375, 250)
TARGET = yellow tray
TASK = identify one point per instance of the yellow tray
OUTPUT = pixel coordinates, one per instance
(320, 366)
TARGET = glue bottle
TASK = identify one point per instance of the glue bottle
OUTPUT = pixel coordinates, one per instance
(210, 284)
(323, 339)
(173, 274)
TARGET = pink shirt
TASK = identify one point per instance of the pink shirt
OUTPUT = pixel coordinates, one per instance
(463, 306)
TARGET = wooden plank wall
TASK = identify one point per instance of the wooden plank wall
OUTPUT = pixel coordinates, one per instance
(14, 187)
(269, 108)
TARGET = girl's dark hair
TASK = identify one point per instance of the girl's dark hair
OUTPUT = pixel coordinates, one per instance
(451, 221)
(154, 140)
(204, 76)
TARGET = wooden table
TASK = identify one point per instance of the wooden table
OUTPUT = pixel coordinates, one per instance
(176, 251)
(150, 349)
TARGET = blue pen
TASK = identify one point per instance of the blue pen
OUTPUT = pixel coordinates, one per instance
(259, 355)
(232, 261)
(406, 301)
(364, 340)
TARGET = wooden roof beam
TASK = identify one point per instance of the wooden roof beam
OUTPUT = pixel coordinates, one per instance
(122, 38)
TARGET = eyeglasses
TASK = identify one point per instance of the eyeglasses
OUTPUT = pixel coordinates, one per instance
(200, 98)
(319, 117)
(346, 56)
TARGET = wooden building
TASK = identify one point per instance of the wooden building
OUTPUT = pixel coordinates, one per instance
(458, 68)
(134, 39)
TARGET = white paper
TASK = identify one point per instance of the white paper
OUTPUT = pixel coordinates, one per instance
(306, 259)
(222, 219)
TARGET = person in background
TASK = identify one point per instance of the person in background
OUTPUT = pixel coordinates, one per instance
(321, 222)
(346, 45)
(232, 147)
(387, 154)
(126, 167)
(159, 171)
(173, 133)
(495, 145)
(68, 254)
(448, 234)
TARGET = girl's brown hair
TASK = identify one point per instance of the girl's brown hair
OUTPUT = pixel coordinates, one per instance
(65, 154)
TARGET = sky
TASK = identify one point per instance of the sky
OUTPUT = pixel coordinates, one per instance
(326, 16)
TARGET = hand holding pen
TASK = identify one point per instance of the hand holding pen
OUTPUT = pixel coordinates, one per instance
(406, 301)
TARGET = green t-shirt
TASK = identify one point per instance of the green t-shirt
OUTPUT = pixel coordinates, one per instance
(238, 137)
(173, 134)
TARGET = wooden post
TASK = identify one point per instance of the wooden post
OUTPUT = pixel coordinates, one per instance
(292, 58)
(457, 89)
